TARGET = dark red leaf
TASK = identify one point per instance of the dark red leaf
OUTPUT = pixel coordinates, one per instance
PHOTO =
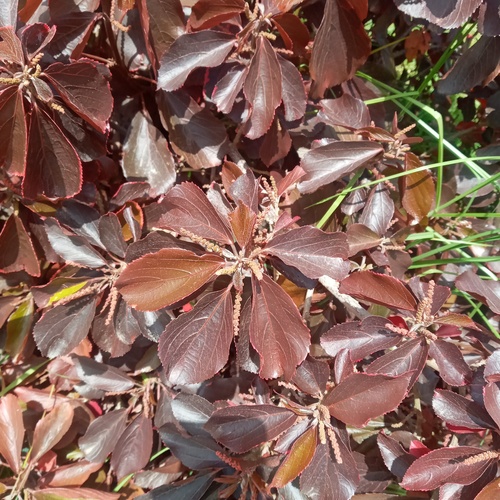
(206, 14)
(195, 346)
(74, 474)
(346, 111)
(488, 292)
(489, 18)
(74, 494)
(190, 51)
(192, 412)
(16, 249)
(396, 459)
(411, 356)
(101, 376)
(84, 89)
(73, 249)
(293, 31)
(110, 233)
(13, 131)
(134, 447)
(277, 331)
(360, 338)
(326, 164)
(11, 431)
(378, 211)
(451, 364)
(460, 411)
(102, 435)
(327, 478)
(343, 366)
(379, 289)
(11, 49)
(300, 456)
(492, 401)
(361, 237)
(262, 88)
(489, 491)
(312, 251)
(228, 87)
(446, 13)
(291, 178)
(460, 465)
(311, 376)
(242, 222)
(492, 368)
(53, 167)
(276, 144)
(146, 156)
(62, 328)
(35, 37)
(241, 428)
(361, 397)
(340, 47)
(293, 91)
(50, 430)
(160, 279)
(245, 189)
(186, 207)
(194, 132)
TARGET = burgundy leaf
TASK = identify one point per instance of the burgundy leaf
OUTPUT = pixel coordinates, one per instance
(289, 180)
(378, 211)
(192, 412)
(206, 14)
(186, 207)
(190, 51)
(16, 250)
(451, 364)
(11, 431)
(35, 37)
(53, 167)
(312, 251)
(13, 131)
(50, 430)
(379, 289)
(62, 328)
(492, 368)
(196, 345)
(242, 223)
(73, 249)
(361, 237)
(195, 452)
(74, 494)
(102, 435)
(329, 163)
(241, 428)
(134, 447)
(194, 132)
(293, 31)
(411, 356)
(343, 366)
(477, 66)
(492, 401)
(277, 331)
(115, 332)
(489, 491)
(460, 465)
(361, 397)
(160, 279)
(488, 292)
(459, 320)
(446, 13)
(340, 47)
(262, 88)
(440, 294)
(293, 91)
(110, 233)
(489, 18)
(460, 411)
(146, 156)
(91, 100)
(311, 376)
(325, 477)
(245, 189)
(11, 49)
(300, 456)
(396, 459)
(360, 338)
(346, 111)
(276, 144)
(70, 475)
(162, 22)
(228, 87)
(102, 376)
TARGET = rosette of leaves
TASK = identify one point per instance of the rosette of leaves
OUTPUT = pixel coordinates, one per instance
(53, 116)
(242, 242)
(82, 295)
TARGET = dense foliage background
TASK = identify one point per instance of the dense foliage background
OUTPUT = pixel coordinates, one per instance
(249, 249)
